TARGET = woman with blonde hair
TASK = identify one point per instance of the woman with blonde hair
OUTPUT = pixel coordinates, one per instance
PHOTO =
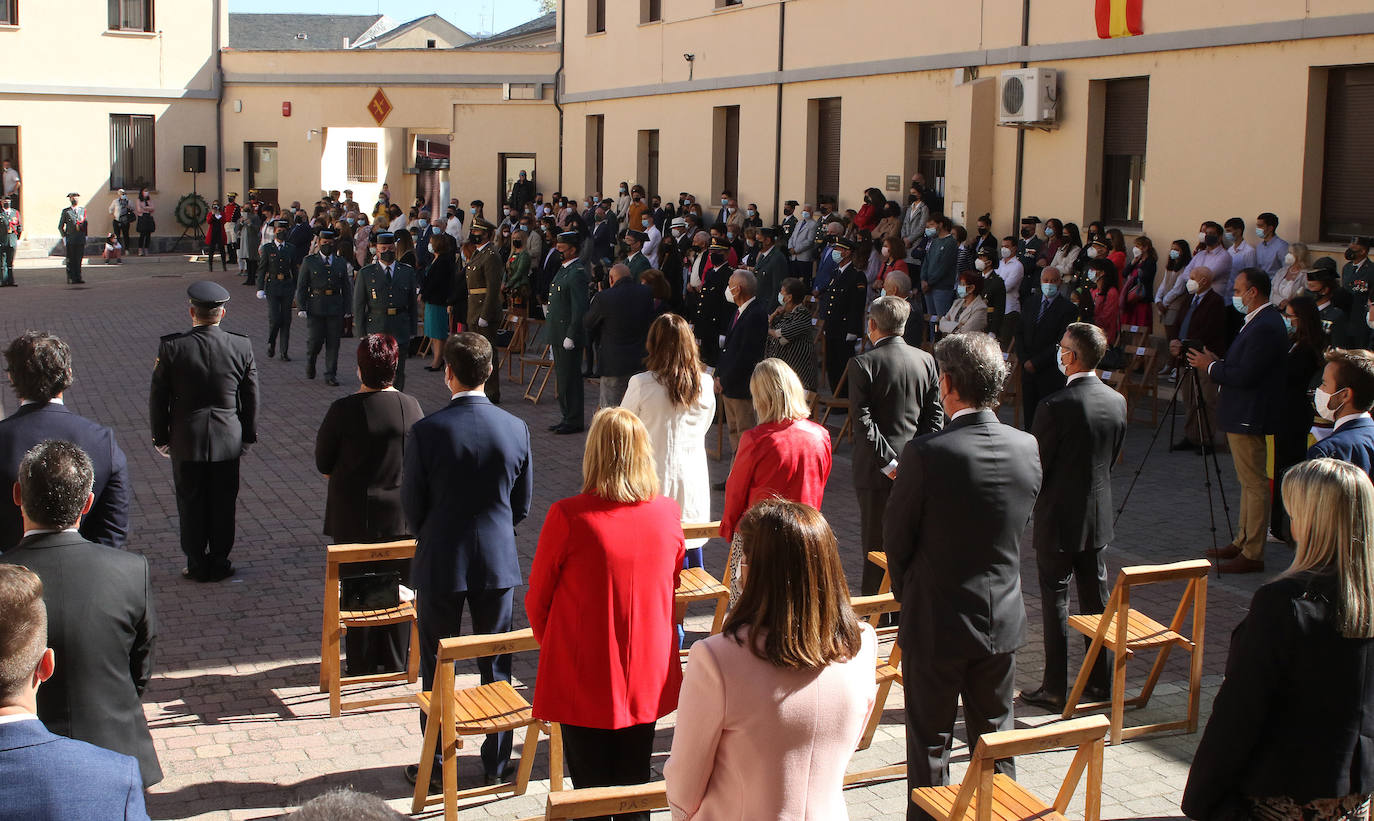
(798, 669)
(600, 603)
(1290, 731)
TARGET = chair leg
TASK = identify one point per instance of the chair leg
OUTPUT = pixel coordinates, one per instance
(522, 775)
(413, 663)
(1119, 693)
(722, 605)
(875, 718)
(1081, 682)
(1155, 670)
(335, 673)
(555, 758)
(451, 745)
(417, 804)
(328, 640)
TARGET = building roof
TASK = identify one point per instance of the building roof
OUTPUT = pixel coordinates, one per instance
(543, 24)
(430, 21)
(282, 32)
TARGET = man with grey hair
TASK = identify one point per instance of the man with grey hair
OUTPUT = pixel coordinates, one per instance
(898, 284)
(894, 393)
(618, 322)
(801, 245)
(741, 348)
(952, 533)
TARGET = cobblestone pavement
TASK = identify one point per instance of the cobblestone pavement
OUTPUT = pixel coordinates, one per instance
(239, 724)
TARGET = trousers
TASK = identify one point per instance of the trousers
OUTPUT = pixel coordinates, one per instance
(872, 507)
(1088, 571)
(76, 250)
(739, 417)
(279, 320)
(609, 758)
(1250, 454)
(207, 495)
(567, 375)
(324, 331)
(6, 264)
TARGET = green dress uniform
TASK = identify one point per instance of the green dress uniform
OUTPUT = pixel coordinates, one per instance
(322, 295)
(10, 229)
(72, 226)
(638, 264)
(483, 273)
(277, 280)
(567, 304)
(384, 303)
(770, 269)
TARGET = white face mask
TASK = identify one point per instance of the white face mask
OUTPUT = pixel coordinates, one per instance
(780, 300)
(1191, 286)
(1135, 252)
(1059, 360)
(731, 292)
(1202, 237)
(980, 264)
(1092, 253)
(1006, 253)
(1322, 400)
(1289, 260)
(885, 252)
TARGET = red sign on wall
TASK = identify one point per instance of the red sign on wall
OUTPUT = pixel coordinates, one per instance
(286, 109)
(379, 107)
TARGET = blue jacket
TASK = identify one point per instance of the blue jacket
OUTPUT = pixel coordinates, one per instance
(1353, 443)
(1251, 376)
(51, 778)
(466, 483)
(108, 520)
(939, 265)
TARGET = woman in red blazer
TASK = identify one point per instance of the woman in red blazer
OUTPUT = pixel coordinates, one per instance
(600, 602)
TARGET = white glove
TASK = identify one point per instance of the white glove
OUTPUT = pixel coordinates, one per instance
(721, 341)
(482, 322)
(301, 314)
(567, 343)
(850, 337)
(164, 450)
(262, 295)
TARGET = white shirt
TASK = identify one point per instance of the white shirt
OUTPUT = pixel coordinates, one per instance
(1352, 417)
(1012, 271)
(11, 180)
(37, 530)
(478, 392)
(16, 717)
(56, 400)
(964, 412)
(650, 249)
(1080, 375)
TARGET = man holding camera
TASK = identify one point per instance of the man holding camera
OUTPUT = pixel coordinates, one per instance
(1203, 328)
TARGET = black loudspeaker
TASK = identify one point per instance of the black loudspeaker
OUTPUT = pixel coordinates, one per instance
(193, 159)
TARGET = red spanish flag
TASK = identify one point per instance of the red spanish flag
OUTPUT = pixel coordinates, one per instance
(1118, 18)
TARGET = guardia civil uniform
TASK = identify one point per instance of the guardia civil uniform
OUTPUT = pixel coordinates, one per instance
(322, 296)
(384, 303)
(483, 273)
(567, 305)
(277, 284)
(842, 305)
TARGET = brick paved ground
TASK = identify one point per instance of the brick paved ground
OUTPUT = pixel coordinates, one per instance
(240, 727)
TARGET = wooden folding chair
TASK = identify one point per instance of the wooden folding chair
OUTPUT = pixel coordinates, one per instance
(718, 422)
(337, 622)
(988, 795)
(543, 369)
(1011, 389)
(535, 338)
(888, 672)
(518, 327)
(696, 584)
(592, 802)
(1142, 378)
(1124, 631)
(830, 404)
(480, 710)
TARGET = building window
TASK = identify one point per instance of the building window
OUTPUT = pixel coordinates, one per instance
(828, 149)
(133, 151)
(131, 15)
(650, 11)
(725, 149)
(362, 162)
(596, 16)
(596, 152)
(9, 12)
(720, 4)
(1347, 208)
(431, 44)
(646, 166)
(1125, 122)
(930, 154)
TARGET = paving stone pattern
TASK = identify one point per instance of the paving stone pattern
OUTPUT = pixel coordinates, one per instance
(238, 721)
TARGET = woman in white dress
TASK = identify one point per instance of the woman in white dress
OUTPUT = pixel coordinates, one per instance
(675, 401)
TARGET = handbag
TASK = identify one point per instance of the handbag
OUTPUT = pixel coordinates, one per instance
(370, 591)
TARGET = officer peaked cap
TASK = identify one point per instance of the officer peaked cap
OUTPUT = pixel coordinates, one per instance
(386, 237)
(206, 294)
(329, 233)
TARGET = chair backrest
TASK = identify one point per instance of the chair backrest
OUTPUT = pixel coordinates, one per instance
(591, 802)
(869, 608)
(1193, 571)
(1087, 734)
(338, 555)
(700, 530)
(481, 645)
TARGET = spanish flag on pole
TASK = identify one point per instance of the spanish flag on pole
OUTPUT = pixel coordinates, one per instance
(1118, 18)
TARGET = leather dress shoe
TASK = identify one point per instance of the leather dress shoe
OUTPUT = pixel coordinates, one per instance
(331, 382)
(436, 776)
(218, 574)
(310, 370)
(564, 430)
(1094, 692)
(1241, 564)
(555, 426)
(1229, 551)
(1183, 445)
(1044, 699)
(489, 780)
(284, 357)
(271, 349)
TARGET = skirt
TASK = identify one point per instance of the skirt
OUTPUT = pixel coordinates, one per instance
(436, 321)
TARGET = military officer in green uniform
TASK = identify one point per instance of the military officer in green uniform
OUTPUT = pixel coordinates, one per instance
(322, 298)
(384, 300)
(636, 261)
(483, 273)
(72, 226)
(771, 268)
(277, 285)
(11, 228)
(567, 304)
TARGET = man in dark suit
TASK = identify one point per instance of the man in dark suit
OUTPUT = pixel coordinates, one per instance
(39, 765)
(742, 343)
(99, 605)
(952, 534)
(1043, 320)
(1080, 431)
(277, 285)
(604, 232)
(1345, 396)
(770, 268)
(384, 300)
(618, 321)
(1251, 379)
(203, 407)
(895, 394)
(322, 295)
(40, 368)
(841, 313)
(1204, 323)
(466, 483)
(635, 259)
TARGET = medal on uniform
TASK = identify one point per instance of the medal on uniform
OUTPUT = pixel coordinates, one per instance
(374, 293)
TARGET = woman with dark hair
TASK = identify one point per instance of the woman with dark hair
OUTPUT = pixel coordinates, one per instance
(1138, 288)
(145, 222)
(1106, 298)
(791, 335)
(1171, 313)
(1308, 342)
(359, 448)
(798, 670)
(1116, 248)
(891, 223)
(1094, 233)
(868, 215)
(963, 250)
(659, 287)
(893, 252)
(405, 248)
(984, 240)
(436, 285)
(1054, 239)
(1067, 252)
(969, 313)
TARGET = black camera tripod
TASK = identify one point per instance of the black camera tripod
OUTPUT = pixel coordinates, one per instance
(1204, 435)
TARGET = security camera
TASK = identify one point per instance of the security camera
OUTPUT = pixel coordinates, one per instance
(689, 57)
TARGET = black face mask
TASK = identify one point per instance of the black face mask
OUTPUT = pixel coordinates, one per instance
(1350, 254)
(1212, 240)
(476, 238)
(982, 231)
(1026, 233)
(787, 212)
(281, 235)
(326, 248)
(387, 257)
(717, 259)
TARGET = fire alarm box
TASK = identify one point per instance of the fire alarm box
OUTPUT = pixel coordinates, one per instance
(286, 109)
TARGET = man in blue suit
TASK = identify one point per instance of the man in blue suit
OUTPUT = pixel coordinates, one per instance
(1345, 396)
(48, 777)
(40, 368)
(1251, 380)
(466, 483)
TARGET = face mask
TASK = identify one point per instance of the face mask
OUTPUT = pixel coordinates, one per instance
(1135, 252)
(750, 212)
(1092, 253)
(525, 229)
(1059, 360)
(1350, 254)
(1369, 322)
(1006, 253)
(351, 221)
(717, 260)
(624, 190)
(930, 232)
(806, 215)
(1212, 240)
(1238, 304)
(1049, 289)
(732, 292)
(1289, 260)
(1092, 276)
(1322, 400)
(779, 299)
(885, 252)
(730, 236)
(724, 202)
(1288, 325)
(835, 255)
(1049, 232)
(677, 233)
(1173, 253)
(423, 224)
(981, 265)
(281, 235)
(1228, 239)
(1259, 232)
(982, 231)
(1202, 237)
(1192, 286)
(961, 290)
(1026, 233)
(326, 248)
(387, 257)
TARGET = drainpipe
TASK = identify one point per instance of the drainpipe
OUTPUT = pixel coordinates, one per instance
(219, 107)
(557, 81)
(777, 150)
(1020, 132)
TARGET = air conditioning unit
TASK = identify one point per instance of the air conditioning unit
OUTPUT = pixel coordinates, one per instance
(1028, 96)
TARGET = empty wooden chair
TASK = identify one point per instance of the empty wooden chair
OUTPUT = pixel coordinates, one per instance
(1124, 631)
(543, 369)
(480, 710)
(696, 584)
(830, 404)
(987, 795)
(888, 672)
(337, 622)
(593, 802)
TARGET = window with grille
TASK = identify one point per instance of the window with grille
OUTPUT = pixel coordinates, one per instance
(131, 15)
(1125, 123)
(828, 149)
(930, 154)
(133, 151)
(362, 162)
(1347, 208)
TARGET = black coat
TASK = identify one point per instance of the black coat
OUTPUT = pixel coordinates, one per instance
(436, 284)
(1295, 714)
(108, 520)
(958, 577)
(360, 446)
(745, 340)
(1037, 340)
(204, 397)
(1080, 430)
(618, 320)
(894, 390)
(101, 625)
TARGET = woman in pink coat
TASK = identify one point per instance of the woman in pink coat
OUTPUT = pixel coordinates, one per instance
(798, 669)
